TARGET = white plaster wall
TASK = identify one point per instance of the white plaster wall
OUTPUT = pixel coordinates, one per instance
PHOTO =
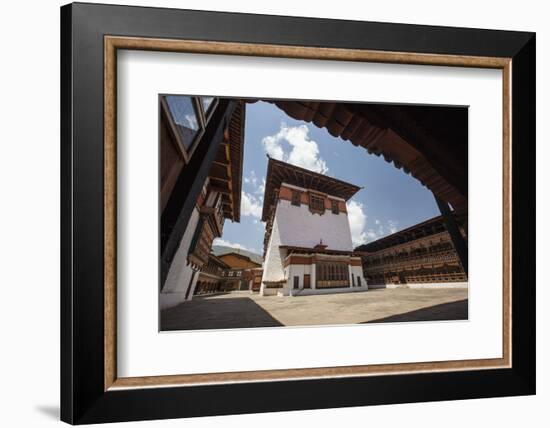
(318, 291)
(273, 263)
(286, 271)
(313, 276)
(357, 271)
(193, 286)
(300, 271)
(299, 227)
(426, 285)
(180, 273)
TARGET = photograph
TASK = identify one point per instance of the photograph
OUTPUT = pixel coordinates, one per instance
(268, 211)
(310, 212)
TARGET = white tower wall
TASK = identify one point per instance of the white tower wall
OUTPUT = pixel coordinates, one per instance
(274, 257)
(299, 227)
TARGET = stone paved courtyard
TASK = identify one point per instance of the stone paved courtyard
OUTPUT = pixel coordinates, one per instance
(242, 309)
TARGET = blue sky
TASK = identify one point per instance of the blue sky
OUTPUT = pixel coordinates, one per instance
(389, 201)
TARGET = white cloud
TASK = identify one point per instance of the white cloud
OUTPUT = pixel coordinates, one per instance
(257, 186)
(251, 202)
(260, 189)
(372, 235)
(303, 152)
(248, 180)
(224, 243)
(273, 148)
(251, 179)
(251, 205)
(357, 222)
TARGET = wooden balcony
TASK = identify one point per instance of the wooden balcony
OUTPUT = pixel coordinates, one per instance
(429, 259)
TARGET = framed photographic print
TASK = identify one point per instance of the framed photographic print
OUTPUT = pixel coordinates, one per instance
(267, 213)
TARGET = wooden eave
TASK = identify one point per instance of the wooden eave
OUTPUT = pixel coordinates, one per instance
(227, 168)
(279, 172)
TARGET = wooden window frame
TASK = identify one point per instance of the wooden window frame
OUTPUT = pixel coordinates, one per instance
(312, 207)
(210, 110)
(296, 198)
(334, 206)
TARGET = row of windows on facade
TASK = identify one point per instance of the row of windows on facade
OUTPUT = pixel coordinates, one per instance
(332, 271)
(234, 273)
(414, 252)
(426, 271)
(316, 202)
(422, 233)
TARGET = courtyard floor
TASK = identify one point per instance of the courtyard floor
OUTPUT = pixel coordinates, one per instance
(242, 309)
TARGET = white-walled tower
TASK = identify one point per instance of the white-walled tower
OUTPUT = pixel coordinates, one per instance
(307, 245)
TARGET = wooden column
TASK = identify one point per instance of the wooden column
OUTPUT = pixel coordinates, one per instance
(456, 237)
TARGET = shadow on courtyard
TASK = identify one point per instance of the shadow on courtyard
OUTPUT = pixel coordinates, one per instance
(451, 311)
(208, 313)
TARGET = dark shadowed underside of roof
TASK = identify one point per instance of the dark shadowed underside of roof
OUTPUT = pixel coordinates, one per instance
(227, 168)
(428, 142)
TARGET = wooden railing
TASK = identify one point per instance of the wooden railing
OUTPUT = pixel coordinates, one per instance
(421, 259)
